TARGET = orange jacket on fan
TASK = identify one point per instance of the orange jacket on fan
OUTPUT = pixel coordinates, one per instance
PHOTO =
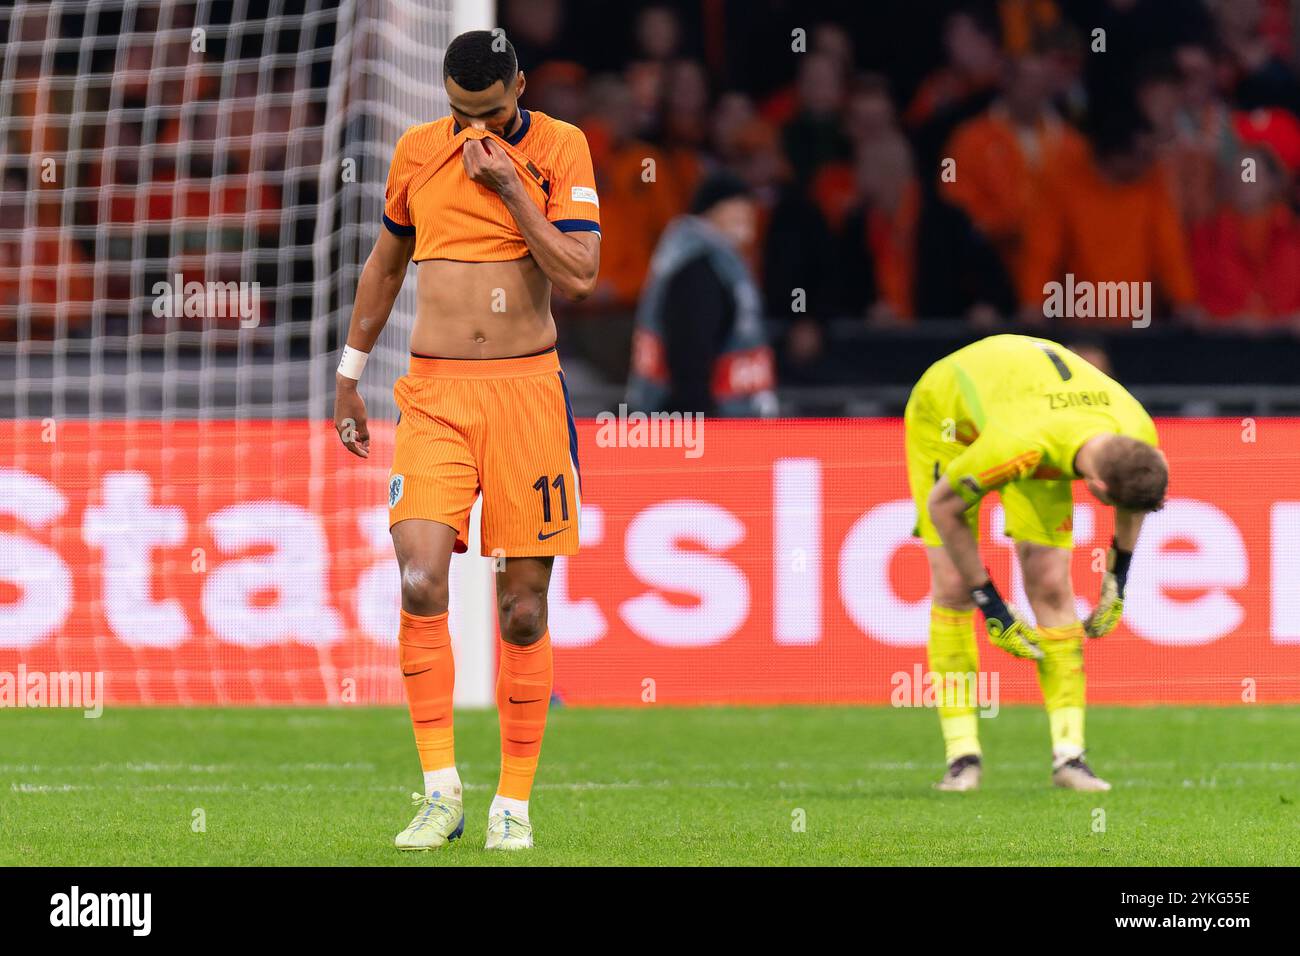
(1104, 231)
(998, 165)
(638, 211)
(431, 197)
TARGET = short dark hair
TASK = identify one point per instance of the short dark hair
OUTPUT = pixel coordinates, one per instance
(478, 58)
(717, 187)
(1135, 474)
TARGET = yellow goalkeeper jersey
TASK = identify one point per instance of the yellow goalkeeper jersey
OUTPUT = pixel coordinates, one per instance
(1023, 406)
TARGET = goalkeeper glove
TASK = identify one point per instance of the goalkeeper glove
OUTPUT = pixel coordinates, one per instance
(1111, 603)
(1005, 627)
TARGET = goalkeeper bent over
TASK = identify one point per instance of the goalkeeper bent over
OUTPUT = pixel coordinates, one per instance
(1024, 417)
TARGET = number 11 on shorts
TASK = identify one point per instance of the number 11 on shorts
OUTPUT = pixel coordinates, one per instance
(544, 485)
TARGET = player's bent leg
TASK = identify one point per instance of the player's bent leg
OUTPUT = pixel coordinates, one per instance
(954, 658)
(428, 673)
(1061, 677)
(524, 685)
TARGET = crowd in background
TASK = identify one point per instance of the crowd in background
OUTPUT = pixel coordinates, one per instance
(1162, 149)
(1122, 164)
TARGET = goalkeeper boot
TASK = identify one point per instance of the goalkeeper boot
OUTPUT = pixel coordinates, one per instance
(1074, 774)
(963, 774)
(438, 821)
(508, 831)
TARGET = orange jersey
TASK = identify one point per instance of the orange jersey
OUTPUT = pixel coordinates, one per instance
(430, 196)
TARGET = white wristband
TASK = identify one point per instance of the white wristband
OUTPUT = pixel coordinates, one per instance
(352, 362)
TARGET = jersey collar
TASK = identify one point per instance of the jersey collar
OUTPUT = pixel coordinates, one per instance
(525, 120)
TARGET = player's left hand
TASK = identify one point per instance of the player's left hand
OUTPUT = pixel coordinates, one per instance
(1109, 609)
(1110, 606)
(488, 164)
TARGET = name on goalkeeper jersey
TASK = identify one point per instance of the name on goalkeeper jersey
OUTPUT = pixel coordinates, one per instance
(1059, 400)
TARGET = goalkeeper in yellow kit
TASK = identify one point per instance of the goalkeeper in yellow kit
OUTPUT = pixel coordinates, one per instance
(1024, 417)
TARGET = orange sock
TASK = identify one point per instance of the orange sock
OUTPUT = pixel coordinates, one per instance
(523, 697)
(429, 673)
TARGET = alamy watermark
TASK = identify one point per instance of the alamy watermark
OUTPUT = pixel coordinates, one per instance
(653, 430)
(922, 688)
(75, 908)
(1081, 299)
(76, 690)
(208, 300)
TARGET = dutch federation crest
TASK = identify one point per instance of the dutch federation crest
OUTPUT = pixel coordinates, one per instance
(394, 490)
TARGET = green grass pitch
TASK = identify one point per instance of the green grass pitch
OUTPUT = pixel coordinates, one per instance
(648, 787)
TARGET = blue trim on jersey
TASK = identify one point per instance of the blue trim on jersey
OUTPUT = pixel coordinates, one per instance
(397, 229)
(526, 120)
(573, 430)
(576, 225)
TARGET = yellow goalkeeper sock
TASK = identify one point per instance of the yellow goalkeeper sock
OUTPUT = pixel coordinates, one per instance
(952, 650)
(1060, 675)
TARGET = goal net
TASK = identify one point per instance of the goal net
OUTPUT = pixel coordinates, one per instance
(189, 192)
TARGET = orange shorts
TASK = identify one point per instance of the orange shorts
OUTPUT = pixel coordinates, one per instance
(500, 426)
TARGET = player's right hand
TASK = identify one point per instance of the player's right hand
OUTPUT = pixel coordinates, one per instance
(1006, 629)
(350, 419)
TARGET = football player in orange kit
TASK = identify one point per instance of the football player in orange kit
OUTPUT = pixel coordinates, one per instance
(497, 205)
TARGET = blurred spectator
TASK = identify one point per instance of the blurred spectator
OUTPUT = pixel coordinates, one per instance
(536, 31)
(559, 88)
(1134, 32)
(1063, 50)
(683, 127)
(1188, 162)
(658, 43)
(1204, 136)
(869, 119)
(957, 269)
(974, 65)
(638, 194)
(1106, 216)
(813, 136)
(1260, 77)
(999, 156)
(658, 34)
(731, 115)
(797, 265)
(963, 87)
(828, 40)
(878, 259)
(1247, 256)
(700, 343)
